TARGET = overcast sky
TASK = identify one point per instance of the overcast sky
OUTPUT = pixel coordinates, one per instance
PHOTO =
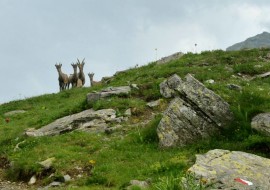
(112, 35)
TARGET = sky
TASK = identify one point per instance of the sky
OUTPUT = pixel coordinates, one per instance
(112, 35)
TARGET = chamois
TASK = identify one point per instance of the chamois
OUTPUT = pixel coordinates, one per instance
(63, 78)
(73, 78)
(81, 74)
(93, 83)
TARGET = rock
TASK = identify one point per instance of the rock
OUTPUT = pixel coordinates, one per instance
(110, 130)
(80, 121)
(223, 168)
(264, 75)
(174, 56)
(134, 86)
(154, 103)
(128, 112)
(67, 178)
(234, 87)
(94, 96)
(47, 164)
(195, 113)
(33, 180)
(141, 184)
(261, 123)
(15, 112)
(210, 81)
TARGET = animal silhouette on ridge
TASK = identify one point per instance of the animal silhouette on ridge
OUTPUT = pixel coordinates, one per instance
(62, 78)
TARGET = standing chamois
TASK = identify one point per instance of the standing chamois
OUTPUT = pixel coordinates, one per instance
(81, 74)
(93, 83)
(73, 78)
(63, 78)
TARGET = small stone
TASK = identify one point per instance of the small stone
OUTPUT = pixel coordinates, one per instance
(128, 112)
(67, 178)
(134, 86)
(141, 184)
(47, 163)
(154, 103)
(234, 87)
(33, 180)
(261, 123)
(210, 81)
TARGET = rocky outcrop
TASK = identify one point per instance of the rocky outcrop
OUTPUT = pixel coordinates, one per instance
(94, 96)
(261, 123)
(88, 120)
(227, 169)
(195, 112)
(174, 56)
(14, 112)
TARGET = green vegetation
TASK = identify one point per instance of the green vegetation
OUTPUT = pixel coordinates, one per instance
(111, 161)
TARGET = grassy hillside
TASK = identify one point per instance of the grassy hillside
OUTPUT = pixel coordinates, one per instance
(111, 161)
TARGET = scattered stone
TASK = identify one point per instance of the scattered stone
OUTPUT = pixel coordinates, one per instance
(223, 168)
(141, 184)
(154, 103)
(33, 180)
(15, 112)
(174, 56)
(264, 75)
(261, 123)
(195, 113)
(67, 178)
(135, 86)
(83, 121)
(94, 96)
(210, 81)
(47, 164)
(128, 112)
(111, 130)
(234, 87)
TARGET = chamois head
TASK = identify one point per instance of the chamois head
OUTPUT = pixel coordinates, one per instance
(74, 66)
(58, 66)
(80, 64)
(91, 75)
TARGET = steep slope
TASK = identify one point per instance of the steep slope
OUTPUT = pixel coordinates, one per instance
(259, 41)
(110, 161)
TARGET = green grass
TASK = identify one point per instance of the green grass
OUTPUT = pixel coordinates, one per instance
(133, 153)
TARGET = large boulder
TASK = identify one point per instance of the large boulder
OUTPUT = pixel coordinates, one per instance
(227, 169)
(195, 112)
(261, 123)
(110, 91)
(88, 120)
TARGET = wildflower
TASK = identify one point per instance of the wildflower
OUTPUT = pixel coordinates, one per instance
(92, 162)
(7, 120)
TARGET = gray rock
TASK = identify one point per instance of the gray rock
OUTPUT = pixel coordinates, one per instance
(141, 184)
(210, 81)
(67, 178)
(154, 103)
(222, 167)
(128, 112)
(47, 164)
(32, 180)
(81, 121)
(261, 123)
(234, 87)
(174, 56)
(15, 112)
(195, 113)
(264, 75)
(111, 130)
(94, 96)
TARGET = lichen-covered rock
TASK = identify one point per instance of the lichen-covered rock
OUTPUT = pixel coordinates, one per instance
(87, 120)
(182, 125)
(221, 168)
(110, 91)
(195, 113)
(261, 123)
